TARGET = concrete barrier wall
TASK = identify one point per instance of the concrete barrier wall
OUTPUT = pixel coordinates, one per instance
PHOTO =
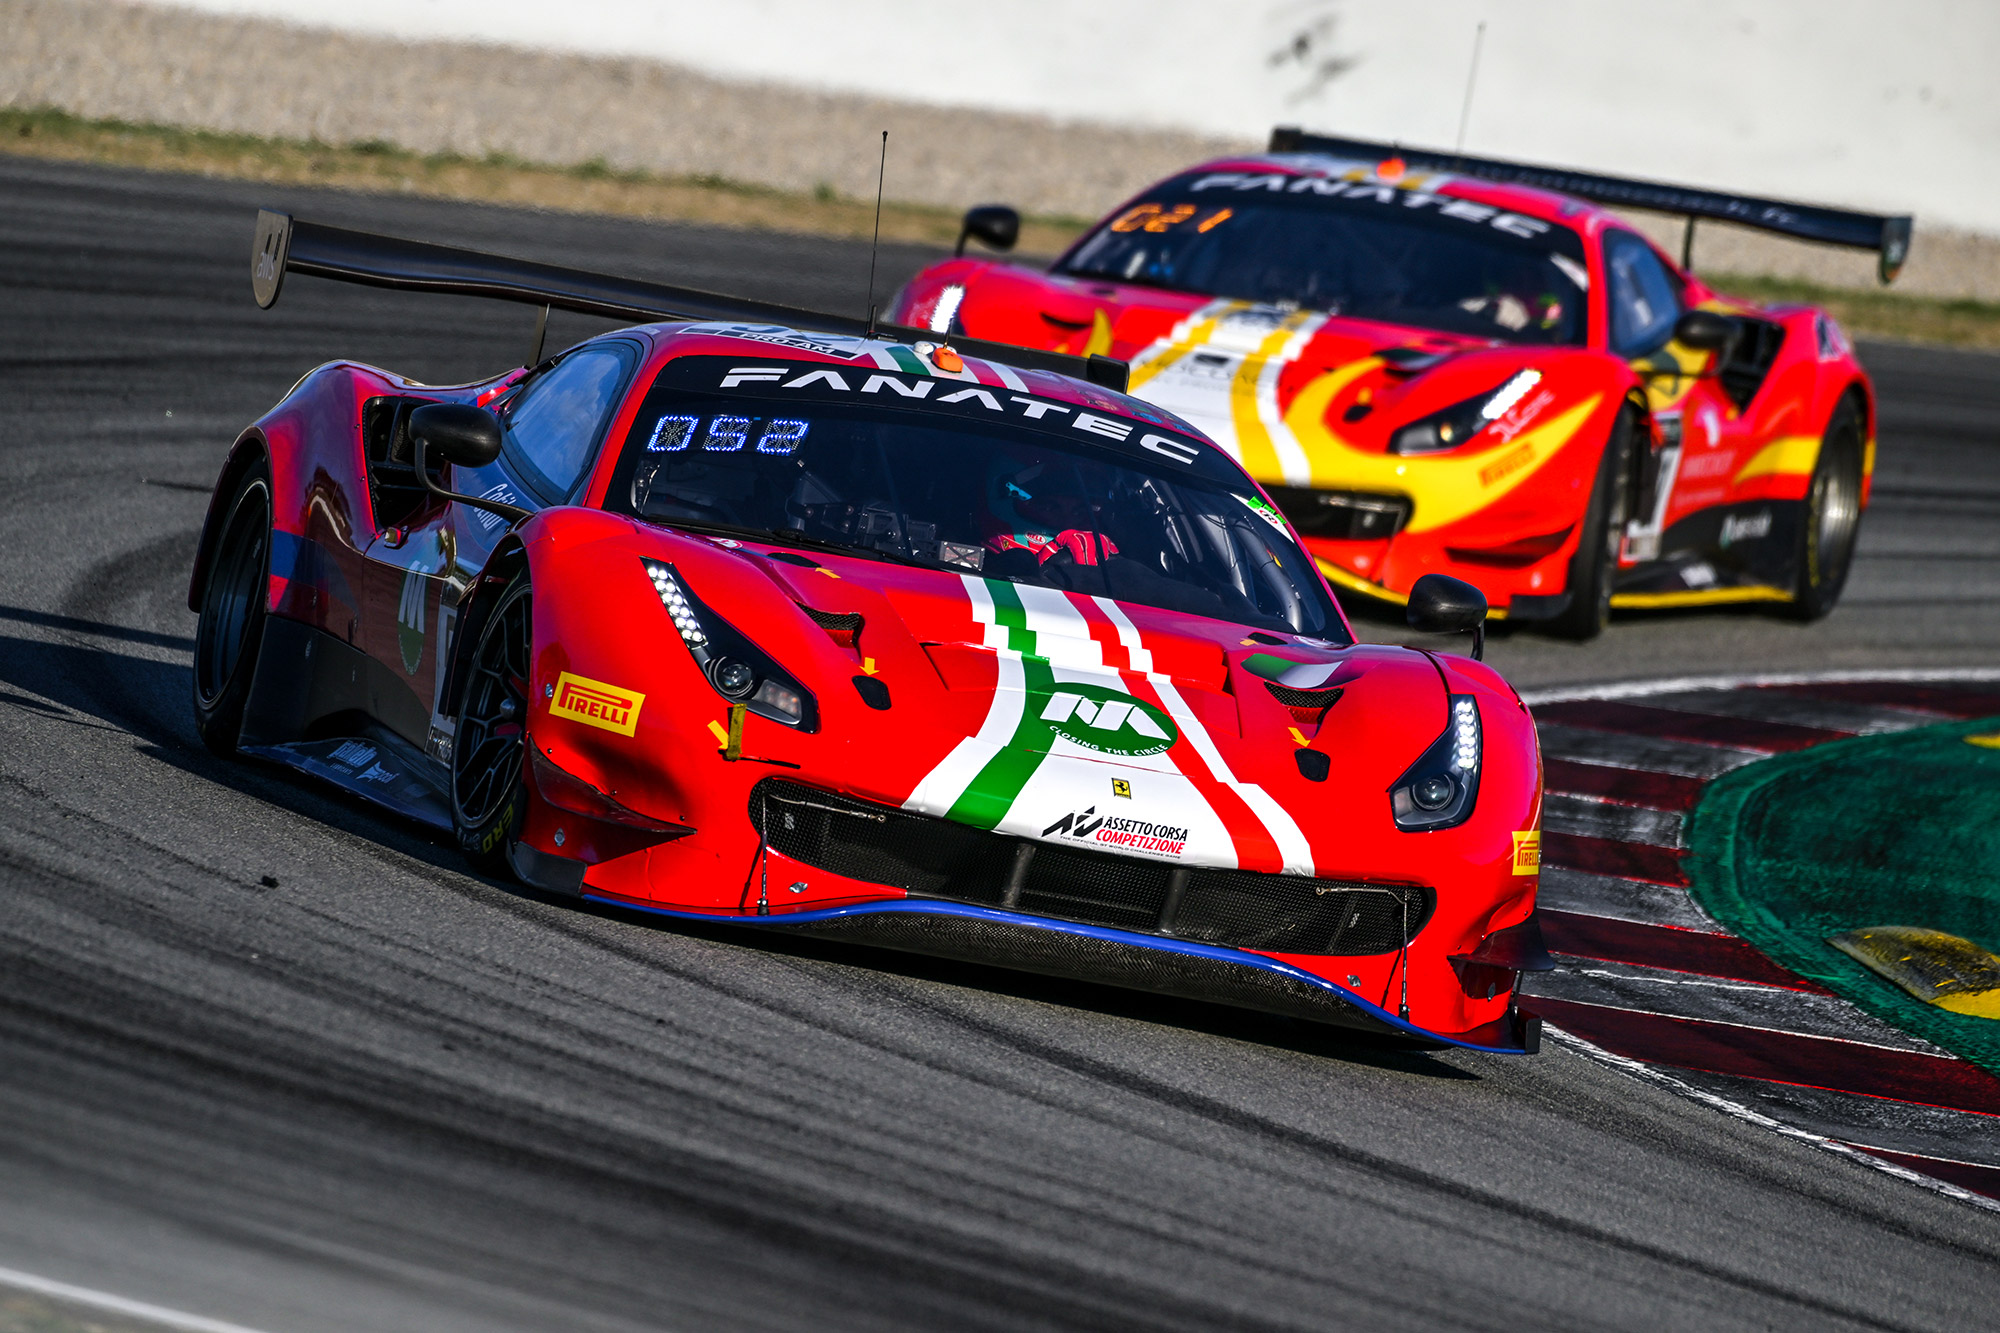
(255, 75)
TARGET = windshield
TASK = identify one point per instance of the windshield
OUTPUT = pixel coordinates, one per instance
(1042, 496)
(1368, 250)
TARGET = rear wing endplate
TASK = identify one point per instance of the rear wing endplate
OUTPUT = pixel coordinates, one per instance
(285, 244)
(1888, 236)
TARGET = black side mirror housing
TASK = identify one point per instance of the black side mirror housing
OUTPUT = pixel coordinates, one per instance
(457, 432)
(1440, 604)
(468, 436)
(994, 225)
(1704, 330)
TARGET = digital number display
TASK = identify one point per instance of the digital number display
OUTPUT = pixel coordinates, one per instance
(1159, 218)
(724, 433)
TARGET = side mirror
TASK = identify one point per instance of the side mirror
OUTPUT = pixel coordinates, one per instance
(1704, 330)
(457, 432)
(466, 435)
(1440, 604)
(994, 225)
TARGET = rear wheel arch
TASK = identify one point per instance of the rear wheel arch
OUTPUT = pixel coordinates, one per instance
(1831, 520)
(1860, 394)
(231, 604)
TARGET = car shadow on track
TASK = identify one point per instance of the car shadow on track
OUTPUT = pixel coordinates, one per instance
(143, 697)
(1215, 1020)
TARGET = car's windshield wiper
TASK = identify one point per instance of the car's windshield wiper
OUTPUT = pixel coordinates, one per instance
(789, 537)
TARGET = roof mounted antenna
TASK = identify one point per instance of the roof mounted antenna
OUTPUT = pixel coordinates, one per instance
(1465, 110)
(881, 169)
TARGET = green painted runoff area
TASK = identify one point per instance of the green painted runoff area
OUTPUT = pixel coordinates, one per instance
(1897, 830)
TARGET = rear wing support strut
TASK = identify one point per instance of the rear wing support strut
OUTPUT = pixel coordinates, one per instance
(285, 244)
(1887, 235)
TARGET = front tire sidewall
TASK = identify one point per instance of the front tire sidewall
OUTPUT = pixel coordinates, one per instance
(231, 627)
(486, 824)
(1594, 567)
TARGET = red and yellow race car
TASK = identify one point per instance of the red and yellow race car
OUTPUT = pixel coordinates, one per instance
(751, 615)
(1444, 364)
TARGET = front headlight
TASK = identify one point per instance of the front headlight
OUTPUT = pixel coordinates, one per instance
(739, 670)
(1438, 790)
(1461, 421)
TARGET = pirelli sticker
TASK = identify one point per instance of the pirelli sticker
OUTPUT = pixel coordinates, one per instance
(596, 704)
(1528, 851)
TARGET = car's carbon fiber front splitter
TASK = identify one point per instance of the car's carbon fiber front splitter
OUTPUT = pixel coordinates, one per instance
(1081, 952)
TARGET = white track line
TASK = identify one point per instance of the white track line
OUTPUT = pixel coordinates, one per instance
(1659, 1077)
(1628, 689)
(104, 1300)
(1650, 1074)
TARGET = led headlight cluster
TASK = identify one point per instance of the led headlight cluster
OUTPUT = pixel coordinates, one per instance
(1461, 421)
(676, 603)
(1438, 791)
(738, 669)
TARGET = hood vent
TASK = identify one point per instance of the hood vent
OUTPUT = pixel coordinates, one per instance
(1305, 705)
(844, 628)
(1411, 360)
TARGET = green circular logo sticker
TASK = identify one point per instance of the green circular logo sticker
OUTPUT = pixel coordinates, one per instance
(1107, 721)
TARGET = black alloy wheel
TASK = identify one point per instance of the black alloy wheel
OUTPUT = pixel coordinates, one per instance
(232, 616)
(1832, 519)
(1593, 570)
(489, 742)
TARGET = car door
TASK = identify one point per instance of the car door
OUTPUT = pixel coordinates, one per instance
(551, 429)
(1700, 427)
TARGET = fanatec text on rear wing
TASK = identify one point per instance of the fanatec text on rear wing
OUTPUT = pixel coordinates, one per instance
(1888, 236)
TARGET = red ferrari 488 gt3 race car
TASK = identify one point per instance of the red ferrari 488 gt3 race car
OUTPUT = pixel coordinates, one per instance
(1443, 364)
(762, 616)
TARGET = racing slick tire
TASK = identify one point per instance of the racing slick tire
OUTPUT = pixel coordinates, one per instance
(1594, 567)
(231, 624)
(489, 742)
(1832, 519)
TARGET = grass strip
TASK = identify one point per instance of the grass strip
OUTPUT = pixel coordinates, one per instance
(589, 187)
(596, 187)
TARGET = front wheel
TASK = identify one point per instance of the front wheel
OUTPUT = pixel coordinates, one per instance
(1832, 518)
(489, 740)
(1594, 567)
(231, 627)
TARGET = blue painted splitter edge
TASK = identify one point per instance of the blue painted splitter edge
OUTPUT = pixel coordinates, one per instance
(934, 907)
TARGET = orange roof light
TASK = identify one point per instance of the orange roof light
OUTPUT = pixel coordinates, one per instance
(1392, 170)
(945, 359)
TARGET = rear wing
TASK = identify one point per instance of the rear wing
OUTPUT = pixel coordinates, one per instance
(1888, 236)
(285, 244)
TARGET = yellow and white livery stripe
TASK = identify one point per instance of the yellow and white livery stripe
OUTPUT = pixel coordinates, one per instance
(1220, 368)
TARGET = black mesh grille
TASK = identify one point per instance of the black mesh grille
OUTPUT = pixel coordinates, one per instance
(934, 858)
(1291, 914)
(1120, 891)
(835, 621)
(879, 844)
(1310, 700)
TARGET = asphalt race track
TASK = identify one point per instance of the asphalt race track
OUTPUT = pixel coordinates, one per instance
(267, 1057)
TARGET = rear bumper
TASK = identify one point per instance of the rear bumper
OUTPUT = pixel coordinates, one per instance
(1080, 952)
